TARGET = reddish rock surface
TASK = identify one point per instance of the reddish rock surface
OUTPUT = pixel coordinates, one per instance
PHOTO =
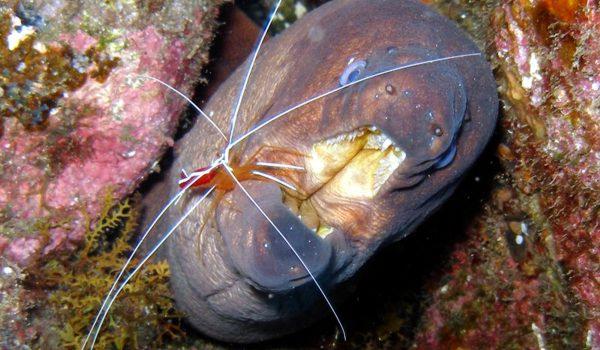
(76, 118)
(528, 275)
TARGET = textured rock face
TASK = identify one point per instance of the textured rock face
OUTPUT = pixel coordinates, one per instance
(76, 118)
(77, 122)
(528, 274)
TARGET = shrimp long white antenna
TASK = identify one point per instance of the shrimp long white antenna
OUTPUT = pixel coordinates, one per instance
(198, 174)
(262, 212)
(122, 271)
(333, 91)
(247, 77)
(171, 202)
(280, 166)
(168, 86)
(273, 178)
(143, 261)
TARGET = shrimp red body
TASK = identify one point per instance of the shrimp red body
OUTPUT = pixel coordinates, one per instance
(200, 181)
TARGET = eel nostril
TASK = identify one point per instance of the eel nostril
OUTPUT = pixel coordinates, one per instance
(390, 89)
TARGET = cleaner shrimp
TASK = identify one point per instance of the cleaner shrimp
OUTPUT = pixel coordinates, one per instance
(226, 172)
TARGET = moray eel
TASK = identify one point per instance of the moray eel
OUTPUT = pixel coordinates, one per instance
(379, 157)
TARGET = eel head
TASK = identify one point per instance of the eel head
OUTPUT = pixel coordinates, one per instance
(378, 157)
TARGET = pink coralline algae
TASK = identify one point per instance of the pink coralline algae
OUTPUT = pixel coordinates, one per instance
(77, 119)
(528, 275)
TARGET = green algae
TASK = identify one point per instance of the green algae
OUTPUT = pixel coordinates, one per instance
(143, 316)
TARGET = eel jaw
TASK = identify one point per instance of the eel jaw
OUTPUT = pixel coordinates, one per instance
(344, 171)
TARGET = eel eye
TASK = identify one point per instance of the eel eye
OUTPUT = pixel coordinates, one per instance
(352, 72)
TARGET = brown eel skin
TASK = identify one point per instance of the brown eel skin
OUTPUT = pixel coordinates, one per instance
(379, 157)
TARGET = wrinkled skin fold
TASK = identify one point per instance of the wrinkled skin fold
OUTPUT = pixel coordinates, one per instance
(380, 156)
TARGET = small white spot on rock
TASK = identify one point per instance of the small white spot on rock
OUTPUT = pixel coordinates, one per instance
(117, 108)
(534, 67)
(155, 167)
(540, 337)
(299, 9)
(524, 228)
(589, 339)
(519, 239)
(16, 36)
(527, 82)
(39, 47)
(129, 154)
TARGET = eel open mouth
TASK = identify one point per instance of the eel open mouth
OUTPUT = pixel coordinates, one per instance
(352, 166)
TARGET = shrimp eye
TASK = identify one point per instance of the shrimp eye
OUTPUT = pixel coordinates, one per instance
(352, 72)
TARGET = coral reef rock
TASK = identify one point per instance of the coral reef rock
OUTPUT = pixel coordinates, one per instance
(77, 119)
(528, 273)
